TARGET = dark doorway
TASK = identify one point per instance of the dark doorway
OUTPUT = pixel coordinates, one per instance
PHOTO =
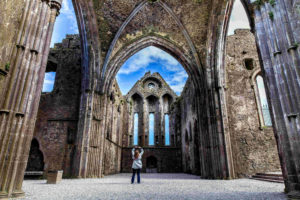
(36, 158)
(151, 165)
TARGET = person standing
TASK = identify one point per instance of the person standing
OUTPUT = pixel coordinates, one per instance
(137, 165)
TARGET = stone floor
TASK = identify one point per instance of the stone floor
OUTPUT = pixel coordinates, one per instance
(153, 186)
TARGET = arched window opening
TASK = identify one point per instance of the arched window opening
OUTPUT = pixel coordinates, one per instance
(263, 103)
(238, 18)
(186, 138)
(190, 131)
(151, 129)
(167, 131)
(136, 129)
(65, 25)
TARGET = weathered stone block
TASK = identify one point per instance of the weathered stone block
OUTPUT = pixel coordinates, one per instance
(54, 177)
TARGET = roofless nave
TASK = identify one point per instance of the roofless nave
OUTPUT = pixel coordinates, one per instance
(194, 32)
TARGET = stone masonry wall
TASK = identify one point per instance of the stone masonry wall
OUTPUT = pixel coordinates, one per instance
(189, 135)
(57, 119)
(114, 131)
(151, 94)
(253, 144)
(56, 126)
(168, 159)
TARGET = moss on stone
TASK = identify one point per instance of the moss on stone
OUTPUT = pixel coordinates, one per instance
(272, 2)
(271, 15)
(7, 66)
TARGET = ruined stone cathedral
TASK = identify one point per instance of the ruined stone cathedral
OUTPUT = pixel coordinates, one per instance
(219, 127)
(167, 149)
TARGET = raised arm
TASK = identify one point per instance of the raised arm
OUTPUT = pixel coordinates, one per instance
(142, 151)
(132, 152)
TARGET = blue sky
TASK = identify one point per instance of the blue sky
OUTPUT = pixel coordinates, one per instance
(149, 59)
(155, 60)
(49, 82)
(167, 131)
(66, 23)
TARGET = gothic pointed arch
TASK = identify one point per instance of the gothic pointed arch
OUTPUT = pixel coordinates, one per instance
(135, 11)
(146, 41)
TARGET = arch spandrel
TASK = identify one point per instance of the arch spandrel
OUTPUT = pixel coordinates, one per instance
(121, 22)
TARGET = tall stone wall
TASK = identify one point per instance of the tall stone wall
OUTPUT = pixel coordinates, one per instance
(166, 160)
(151, 94)
(57, 119)
(115, 127)
(253, 143)
(189, 132)
(56, 127)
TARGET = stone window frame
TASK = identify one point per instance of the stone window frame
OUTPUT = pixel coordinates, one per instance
(169, 135)
(253, 63)
(155, 141)
(133, 131)
(52, 66)
(253, 77)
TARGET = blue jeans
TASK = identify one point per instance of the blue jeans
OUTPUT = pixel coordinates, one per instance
(138, 175)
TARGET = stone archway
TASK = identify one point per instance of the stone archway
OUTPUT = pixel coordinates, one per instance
(149, 40)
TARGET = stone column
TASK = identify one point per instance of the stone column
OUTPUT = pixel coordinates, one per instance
(145, 117)
(162, 120)
(278, 38)
(19, 109)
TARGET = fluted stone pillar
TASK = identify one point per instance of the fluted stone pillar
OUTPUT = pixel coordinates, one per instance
(19, 109)
(277, 31)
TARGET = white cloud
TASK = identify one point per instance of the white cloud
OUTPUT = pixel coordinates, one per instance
(238, 18)
(68, 11)
(49, 81)
(149, 55)
(176, 77)
(177, 81)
